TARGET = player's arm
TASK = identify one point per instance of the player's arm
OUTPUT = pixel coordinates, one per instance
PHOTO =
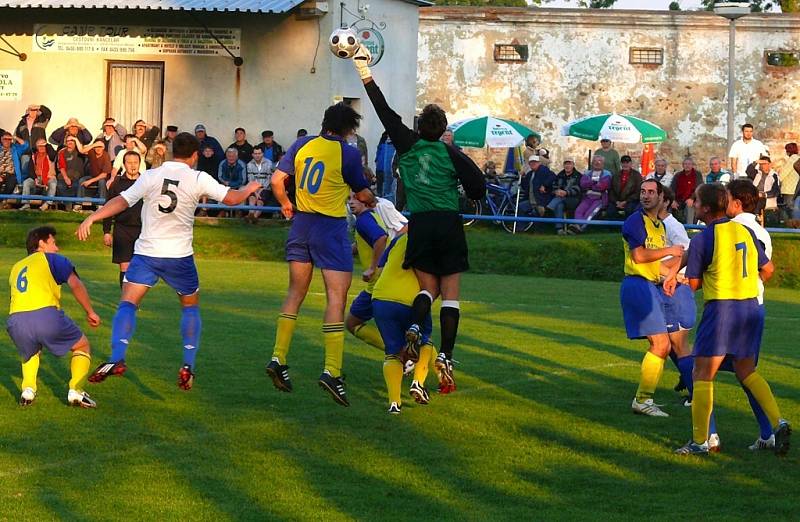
(82, 296)
(648, 255)
(766, 271)
(110, 209)
(240, 195)
(277, 181)
(377, 252)
(469, 174)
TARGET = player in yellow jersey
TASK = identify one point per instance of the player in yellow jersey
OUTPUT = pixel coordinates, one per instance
(392, 297)
(325, 169)
(645, 244)
(36, 320)
(727, 261)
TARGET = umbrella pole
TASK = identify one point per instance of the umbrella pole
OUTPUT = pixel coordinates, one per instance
(519, 189)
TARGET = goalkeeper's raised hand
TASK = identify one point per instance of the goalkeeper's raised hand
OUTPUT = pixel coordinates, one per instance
(361, 61)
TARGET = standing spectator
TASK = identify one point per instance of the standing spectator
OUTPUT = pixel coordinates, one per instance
(71, 165)
(260, 169)
(98, 171)
(300, 133)
(72, 128)
(745, 151)
(241, 144)
(566, 193)
(610, 155)
(662, 173)
(113, 136)
(272, 150)
(768, 185)
(595, 183)
(716, 173)
(169, 138)
(33, 125)
(157, 154)
(232, 171)
(540, 192)
(623, 196)
(9, 163)
(788, 172)
(131, 143)
(145, 133)
(383, 166)
(205, 139)
(531, 146)
(684, 184)
(447, 137)
(42, 173)
(127, 225)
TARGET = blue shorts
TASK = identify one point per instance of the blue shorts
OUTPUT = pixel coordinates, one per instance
(680, 310)
(48, 327)
(321, 240)
(361, 307)
(179, 273)
(730, 327)
(642, 307)
(392, 320)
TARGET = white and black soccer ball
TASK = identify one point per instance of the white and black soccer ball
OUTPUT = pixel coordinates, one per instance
(344, 42)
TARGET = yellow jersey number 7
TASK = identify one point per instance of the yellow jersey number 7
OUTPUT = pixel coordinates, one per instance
(311, 179)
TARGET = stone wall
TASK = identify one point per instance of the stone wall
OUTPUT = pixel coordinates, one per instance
(579, 65)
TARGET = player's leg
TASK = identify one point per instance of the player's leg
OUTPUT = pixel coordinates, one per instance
(357, 320)
(30, 371)
(23, 329)
(421, 308)
(123, 268)
(337, 283)
(191, 327)
(79, 365)
(391, 319)
(449, 316)
(762, 393)
(426, 355)
(705, 369)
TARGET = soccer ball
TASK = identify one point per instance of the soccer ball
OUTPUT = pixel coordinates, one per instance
(344, 43)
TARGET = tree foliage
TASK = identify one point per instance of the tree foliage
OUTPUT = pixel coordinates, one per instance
(485, 3)
(760, 6)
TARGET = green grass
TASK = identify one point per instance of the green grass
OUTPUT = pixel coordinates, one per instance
(540, 427)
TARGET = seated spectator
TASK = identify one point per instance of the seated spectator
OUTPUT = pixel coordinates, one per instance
(71, 165)
(131, 143)
(241, 144)
(540, 192)
(157, 154)
(661, 173)
(716, 173)
(172, 132)
(113, 135)
(41, 175)
(566, 193)
(260, 169)
(206, 162)
(272, 150)
(205, 139)
(623, 195)
(232, 170)
(595, 183)
(490, 173)
(72, 128)
(145, 133)
(11, 150)
(768, 185)
(684, 184)
(98, 172)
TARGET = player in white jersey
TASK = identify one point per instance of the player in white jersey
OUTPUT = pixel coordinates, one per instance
(171, 193)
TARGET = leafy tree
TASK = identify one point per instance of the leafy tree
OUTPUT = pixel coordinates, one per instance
(674, 6)
(486, 3)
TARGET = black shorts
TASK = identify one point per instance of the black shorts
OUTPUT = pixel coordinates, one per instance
(436, 243)
(122, 246)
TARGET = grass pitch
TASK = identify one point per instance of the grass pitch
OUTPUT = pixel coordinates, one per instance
(540, 427)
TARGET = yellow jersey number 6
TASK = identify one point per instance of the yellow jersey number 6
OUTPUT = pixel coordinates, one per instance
(311, 179)
(22, 280)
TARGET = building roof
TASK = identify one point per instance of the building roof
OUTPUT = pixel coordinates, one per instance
(253, 6)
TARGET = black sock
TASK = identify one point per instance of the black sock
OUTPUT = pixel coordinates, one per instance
(121, 277)
(420, 308)
(448, 324)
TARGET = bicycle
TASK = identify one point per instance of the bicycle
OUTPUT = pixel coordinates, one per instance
(500, 200)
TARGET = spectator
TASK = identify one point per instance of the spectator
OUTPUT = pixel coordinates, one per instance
(768, 185)
(231, 171)
(205, 139)
(71, 165)
(98, 171)
(145, 133)
(33, 125)
(301, 133)
(540, 192)
(11, 151)
(42, 174)
(241, 144)
(131, 143)
(157, 154)
(744, 152)
(595, 183)
(531, 146)
(206, 162)
(566, 193)
(544, 154)
(661, 174)
(788, 176)
(610, 155)
(717, 174)
(447, 137)
(260, 169)
(272, 150)
(623, 195)
(383, 166)
(72, 128)
(172, 131)
(113, 136)
(683, 185)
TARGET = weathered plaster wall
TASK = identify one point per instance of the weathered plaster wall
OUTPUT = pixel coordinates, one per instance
(579, 65)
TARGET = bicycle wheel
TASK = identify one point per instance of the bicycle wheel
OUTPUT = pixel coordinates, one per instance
(522, 226)
(468, 206)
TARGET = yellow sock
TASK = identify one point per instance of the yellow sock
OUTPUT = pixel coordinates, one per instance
(763, 394)
(652, 368)
(369, 334)
(283, 336)
(427, 354)
(30, 369)
(333, 335)
(702, 404)
(79, 367)
(393, 373)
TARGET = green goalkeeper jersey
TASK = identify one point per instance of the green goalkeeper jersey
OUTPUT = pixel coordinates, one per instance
(429, 177)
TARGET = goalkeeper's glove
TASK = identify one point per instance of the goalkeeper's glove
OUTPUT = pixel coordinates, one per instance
(361, 60)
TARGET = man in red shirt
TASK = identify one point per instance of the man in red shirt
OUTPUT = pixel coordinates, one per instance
(684, 184)
(42, 173)
(623, 196)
